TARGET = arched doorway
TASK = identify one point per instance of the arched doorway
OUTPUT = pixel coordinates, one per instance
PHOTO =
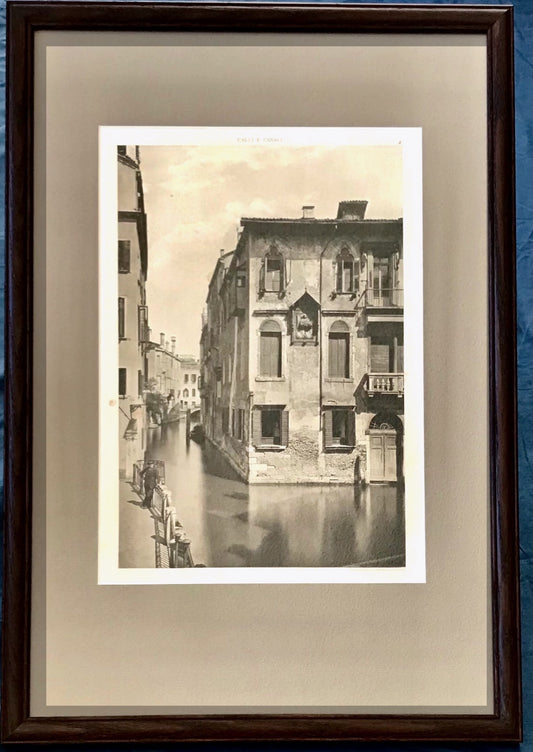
(385, 455)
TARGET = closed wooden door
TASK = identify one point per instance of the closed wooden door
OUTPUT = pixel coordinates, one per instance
(383, 449)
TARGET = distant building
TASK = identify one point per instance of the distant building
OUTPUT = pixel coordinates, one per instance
(164, 369)
(189, 384)
(302, 349)
(132, 308)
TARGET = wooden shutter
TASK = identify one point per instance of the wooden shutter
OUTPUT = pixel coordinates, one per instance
(379, 358)
(262, 277)
(400, 359)
(350, 420)
(338, 356)
(140, 383)
(284, 428)
(337, 268)
(287, 277)
(256, 427)
(327, 428)
(270, 354)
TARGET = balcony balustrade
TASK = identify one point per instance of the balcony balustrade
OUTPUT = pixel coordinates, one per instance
(384, 298)
(384, 383)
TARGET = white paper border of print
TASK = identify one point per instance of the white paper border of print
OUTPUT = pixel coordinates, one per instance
(108, 515)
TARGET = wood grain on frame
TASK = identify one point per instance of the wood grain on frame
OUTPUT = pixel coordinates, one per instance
(496, 23)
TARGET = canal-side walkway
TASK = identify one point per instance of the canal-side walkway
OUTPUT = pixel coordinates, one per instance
(138, 541)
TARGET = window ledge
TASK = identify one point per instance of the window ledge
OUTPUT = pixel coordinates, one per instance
(339, 449)
(331, 379)
(270, 378)
(271, 447)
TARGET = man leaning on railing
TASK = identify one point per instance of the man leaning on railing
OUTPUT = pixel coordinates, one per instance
(150, 475)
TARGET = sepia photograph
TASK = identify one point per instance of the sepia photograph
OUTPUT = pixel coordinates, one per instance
(264, 352)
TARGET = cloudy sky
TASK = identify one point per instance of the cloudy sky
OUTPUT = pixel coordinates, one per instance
(196, 195)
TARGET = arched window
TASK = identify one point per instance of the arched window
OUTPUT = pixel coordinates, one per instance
(270, 349)
(272, 271)
(185, 392)
(346, 272)
(339, 351)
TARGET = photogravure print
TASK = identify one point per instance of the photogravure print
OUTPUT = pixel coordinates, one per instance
(270, 408)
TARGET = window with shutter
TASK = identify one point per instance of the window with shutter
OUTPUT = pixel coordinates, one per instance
(273, 271)
(339, 351)
(122, 381)
(339, 428)
(121, 318)
(270, 350)
(124, 256)
(143, 324)
(328, 428)
(284, 427)
(270, 427)
(346, 272)
(256, 427)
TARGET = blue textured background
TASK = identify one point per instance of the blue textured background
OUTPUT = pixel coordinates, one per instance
(524, 217)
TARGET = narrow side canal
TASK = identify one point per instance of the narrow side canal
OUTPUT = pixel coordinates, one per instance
(232, 524)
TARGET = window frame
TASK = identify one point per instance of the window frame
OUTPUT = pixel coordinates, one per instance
(329, 442)
(270, 329)
(341, 332)
(124, 244)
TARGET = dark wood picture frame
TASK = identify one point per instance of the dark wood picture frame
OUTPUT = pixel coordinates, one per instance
(496, 23)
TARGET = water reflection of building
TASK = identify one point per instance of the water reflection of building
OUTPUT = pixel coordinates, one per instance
(133, 332)
(302, 349)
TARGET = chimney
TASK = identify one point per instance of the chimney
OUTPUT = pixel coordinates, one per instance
(173, 345)
(222, 251)
(162, 339)
(308, 212)
(352, 210)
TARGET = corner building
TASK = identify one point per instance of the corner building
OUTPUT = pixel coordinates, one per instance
(302, 350)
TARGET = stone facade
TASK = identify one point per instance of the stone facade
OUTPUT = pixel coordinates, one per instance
(302, 350)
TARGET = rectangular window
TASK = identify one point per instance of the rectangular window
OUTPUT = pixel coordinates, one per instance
(193, 379)
(122, 382)
(124, 256)
(122, 318)
(194, 392)
(140, 383)
(338, 355)
(186, 378)
(339, 428)
(382, 282)
(144, 335)
(386, 354)
(347, 276)
(380, 357)
(273, 275)
(270, 427)
(225, 420)
(270, 354)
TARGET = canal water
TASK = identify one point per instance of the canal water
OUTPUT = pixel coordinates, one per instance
(232, 524)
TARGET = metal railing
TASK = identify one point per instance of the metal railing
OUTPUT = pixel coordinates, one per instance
(385, 383)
